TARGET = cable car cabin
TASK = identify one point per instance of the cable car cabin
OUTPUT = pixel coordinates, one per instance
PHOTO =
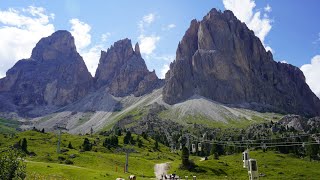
(245, 159)
(253, 169)
(199, 146)
(193, 148)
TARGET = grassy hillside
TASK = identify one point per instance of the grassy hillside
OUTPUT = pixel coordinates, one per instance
(272, 165)
(96, 164)
(8, 126)
(102, 163)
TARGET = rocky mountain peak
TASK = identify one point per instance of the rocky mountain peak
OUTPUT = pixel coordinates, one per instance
(221, 59)
(137, 49)
(123, 70)
(59, 43)
(54, 76)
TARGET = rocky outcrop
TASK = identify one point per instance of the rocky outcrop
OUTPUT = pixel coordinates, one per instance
(54, 75)
(300, 123)
(297, 122)
(124, 72)
(221, 59)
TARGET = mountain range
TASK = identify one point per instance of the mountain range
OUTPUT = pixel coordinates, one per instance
(222, 72)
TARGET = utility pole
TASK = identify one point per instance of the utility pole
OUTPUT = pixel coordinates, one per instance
(60, 127)
(188, 143)
(127, 161)
(127, 151)
(59, 141)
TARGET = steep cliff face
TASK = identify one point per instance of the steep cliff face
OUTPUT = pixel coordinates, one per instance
(124, 72)
(221, 59)
(55, 74)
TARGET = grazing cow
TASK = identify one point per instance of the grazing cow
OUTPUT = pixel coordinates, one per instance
(132, 177)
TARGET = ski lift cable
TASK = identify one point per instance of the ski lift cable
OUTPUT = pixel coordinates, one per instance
(269, 146)
(275, 143)
(270, 139)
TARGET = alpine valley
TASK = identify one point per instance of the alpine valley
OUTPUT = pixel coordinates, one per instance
(222, 75)
(223, 87)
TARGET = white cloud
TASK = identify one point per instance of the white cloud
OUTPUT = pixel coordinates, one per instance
(244, 11)
(268, 8)
(148, 18)
(148, 43)
(146, 21)
(312, 74)
(168, 27)
(164, 70)
(80, 32)
(167, 58)
(284, 62)
(91, 57)
(20, 30)
(268, 48)
(89, 52)
(105, 36)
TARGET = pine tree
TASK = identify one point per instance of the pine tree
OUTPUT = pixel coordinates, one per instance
(185, 156)
(70, 145)
(127, 138)
(214, 151)
(156, 145)
(87, 146)
(312, 150)
(24, 145)
(139, 141)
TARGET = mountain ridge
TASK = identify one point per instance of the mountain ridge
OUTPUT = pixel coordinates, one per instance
(221, 59)
(222, 74)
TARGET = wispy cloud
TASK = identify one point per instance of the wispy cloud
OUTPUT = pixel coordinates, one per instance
(20, 30)
(148, 43)
(148, 18)
(268, 8)
(105, 36)
(169, 27)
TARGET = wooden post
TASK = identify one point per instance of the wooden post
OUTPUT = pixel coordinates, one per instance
(127, 162)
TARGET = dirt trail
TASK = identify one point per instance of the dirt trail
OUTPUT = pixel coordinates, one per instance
(160, 169)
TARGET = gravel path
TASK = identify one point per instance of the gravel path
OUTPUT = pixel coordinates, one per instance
(160, 169)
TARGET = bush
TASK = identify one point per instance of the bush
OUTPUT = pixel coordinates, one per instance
(24, 145)
(156, 145)
(111, 142)
(12, 165)
(127, 138)
(87, 146)
(68, 161)
(61, 158)
(185, 156)
(70, 145)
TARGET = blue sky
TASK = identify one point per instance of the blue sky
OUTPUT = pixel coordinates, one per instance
(289, 28)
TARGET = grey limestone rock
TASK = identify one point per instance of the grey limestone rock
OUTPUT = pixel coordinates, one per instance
(221, 59)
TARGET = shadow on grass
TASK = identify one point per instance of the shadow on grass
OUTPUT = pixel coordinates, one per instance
(218, 172)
